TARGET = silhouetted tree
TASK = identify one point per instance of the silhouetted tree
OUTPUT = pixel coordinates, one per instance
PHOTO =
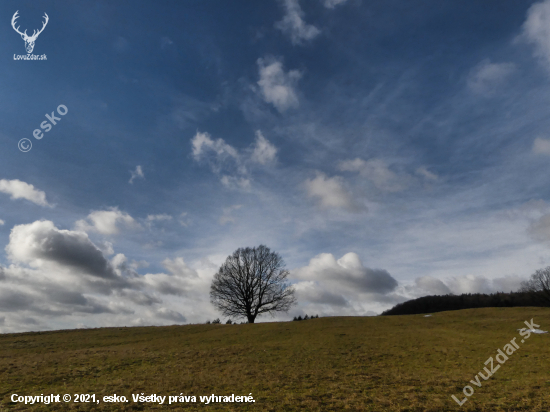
(252, 281)
(538, 284)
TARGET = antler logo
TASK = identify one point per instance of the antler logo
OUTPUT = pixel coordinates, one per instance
(29, 40)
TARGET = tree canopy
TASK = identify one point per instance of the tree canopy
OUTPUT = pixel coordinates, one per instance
(250, 282)
(538, 284)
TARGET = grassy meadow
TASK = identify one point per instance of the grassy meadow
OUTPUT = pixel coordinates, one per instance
(394, 363)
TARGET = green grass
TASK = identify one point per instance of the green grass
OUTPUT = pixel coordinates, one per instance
(394, 363)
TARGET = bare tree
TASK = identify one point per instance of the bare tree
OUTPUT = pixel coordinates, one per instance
(538, 284)
(252, 281)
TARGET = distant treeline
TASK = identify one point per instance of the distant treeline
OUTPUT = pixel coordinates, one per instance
(431, 304)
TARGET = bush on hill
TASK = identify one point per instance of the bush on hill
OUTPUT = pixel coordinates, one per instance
(305, 317)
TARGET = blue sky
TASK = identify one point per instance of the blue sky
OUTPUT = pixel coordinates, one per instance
(387, 150)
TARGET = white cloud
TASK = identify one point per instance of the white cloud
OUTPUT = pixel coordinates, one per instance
(510, 283)
(309, 291)
(378, 172)
(347, 272)
(432, 285)
(541, 146)
(224, 160)
(177, 267)
(276, 86)
(489, 244)
(227, 216)
(341, 287)
(480, 284)
(457, 285)
(165, 42)
(536, 29)
(202, 143)
(106, 222)
(2, 222)
(42, 245)
(160, 217)
(294, 25)
(180, 281)
(153, 245)
(232, 182)
(183, 220)
(426, 174)
(68, 276)
(60, 279)
(540, 229)
(106, 247)
(151, 219)
(330, 192)
(21, 190)
(228, 163)
(487, 77)
(466, 249)
(169, 314)
(138, 173)
(470, 284)
(330, 4)
(263, 151)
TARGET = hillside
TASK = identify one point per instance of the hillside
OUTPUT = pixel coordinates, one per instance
(397, 363)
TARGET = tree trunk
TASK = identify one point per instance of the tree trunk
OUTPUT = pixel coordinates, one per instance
(251, 318)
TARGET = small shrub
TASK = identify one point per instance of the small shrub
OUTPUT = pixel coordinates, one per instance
(295, 319)
(306, 317)
(228, 322)
(216, 321)
(208, 322)
(299, 318)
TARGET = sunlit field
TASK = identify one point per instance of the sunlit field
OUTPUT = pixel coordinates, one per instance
(395, 363)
